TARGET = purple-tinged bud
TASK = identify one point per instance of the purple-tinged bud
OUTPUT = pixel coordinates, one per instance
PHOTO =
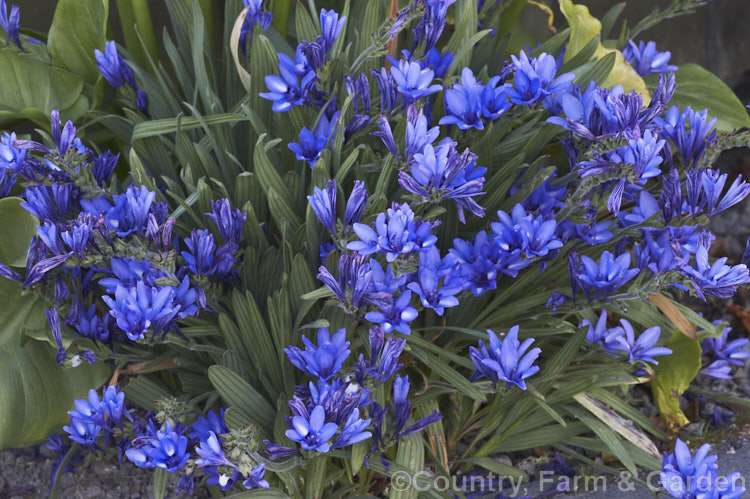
(355, 207)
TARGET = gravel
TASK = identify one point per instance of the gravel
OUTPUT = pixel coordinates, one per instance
(25, 472)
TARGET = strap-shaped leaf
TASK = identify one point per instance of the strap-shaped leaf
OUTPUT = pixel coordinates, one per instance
(238, 393)
(450, 375)
(410, 455)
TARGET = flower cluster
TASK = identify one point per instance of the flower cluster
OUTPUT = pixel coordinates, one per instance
(596, 197)
(724, 354)
(505, 360)
(107, 262)
(687, 476)
(326, 413)
(621, 339)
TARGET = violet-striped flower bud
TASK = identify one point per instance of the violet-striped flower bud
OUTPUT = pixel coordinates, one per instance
(356, 204)
(323, 204)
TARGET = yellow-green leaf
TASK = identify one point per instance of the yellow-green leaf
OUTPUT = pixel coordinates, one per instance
(676, 371)
(584, 27)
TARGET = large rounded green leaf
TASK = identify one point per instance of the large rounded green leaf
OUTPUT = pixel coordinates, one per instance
(78, 28)
(701, 89)
(18, 227)
(27, 84)
(35, 393)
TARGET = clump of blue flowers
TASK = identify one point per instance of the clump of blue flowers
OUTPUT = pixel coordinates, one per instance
(684, 475)
(291, 271)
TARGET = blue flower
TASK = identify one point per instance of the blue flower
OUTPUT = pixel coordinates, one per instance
(77, 237)
(323, 204)
(353, 431)
(326, 249)
(463, 103)
(211, 453)
(141, 101)
(387, 88)
(167, 450)
(418, 134)
(11, 158)
(396, 316)
(113, 405)
(718, 369)
(599, 333)
(525, 234)
(229, 221)
(443, 173)
(477, 263)
(507, 360)
(202, 257)
(717, 279)
(50, 202)
(312, 144)
(383, 280)
(646, 60)
(641, 349)
(432, 24)
(396, 233)
(603, 278)
(83, 431)
(387, 358)
(255, 15)
(413, 82)
(138, 308)
(535, 79)
(287, 90)
(355, 206)
(360, 87)
(427, 287)
(210, 423)
(713, 185)
(11, 24)
(130, 211)
(89, 409)
(687, 476)
(354, 284)
(691, 132)
(402, 410)
(255, 479)
(438, 63)
(103, 167)
(733, 352)
(312, 432)
(324, 360)
(112, 66)
(331, 27)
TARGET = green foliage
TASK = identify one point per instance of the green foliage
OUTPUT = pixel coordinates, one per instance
(701, 89)
(676, 371)
(30, 88)
(19, 227)
(35, 393)
(209, 135)
(72, 48)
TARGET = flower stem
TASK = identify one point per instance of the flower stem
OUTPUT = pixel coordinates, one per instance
(55, 490)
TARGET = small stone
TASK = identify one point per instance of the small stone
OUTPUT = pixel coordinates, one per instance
(528, 466)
